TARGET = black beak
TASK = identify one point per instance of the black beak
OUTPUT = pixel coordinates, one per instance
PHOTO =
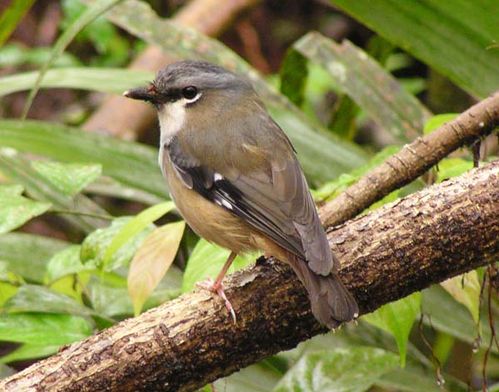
(147, 94)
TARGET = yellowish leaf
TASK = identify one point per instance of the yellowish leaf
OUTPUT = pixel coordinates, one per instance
(152, 261)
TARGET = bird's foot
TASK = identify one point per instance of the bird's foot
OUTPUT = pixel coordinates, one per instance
(218, 288)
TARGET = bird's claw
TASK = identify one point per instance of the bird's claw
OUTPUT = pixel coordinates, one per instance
(218, 289)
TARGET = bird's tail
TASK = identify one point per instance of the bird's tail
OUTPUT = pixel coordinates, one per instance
(331, 302)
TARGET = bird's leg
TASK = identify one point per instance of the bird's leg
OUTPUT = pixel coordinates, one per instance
(217, 285)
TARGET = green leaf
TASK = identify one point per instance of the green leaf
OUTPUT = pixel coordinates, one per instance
(69, 178)
(353, 369)
(333, 188)
(456, 320)
(322, 156)
(7, 291)
(27, 255)
(29, 351)
(95, 246)
(43, 328)
(207, 260)
(466, 290)
(152, 261)
(135, 226)
(255, 378)
(397, 318)
(131, 163)
(452, 167)
(437, 121)
(109, 294)
(98, 8)
(106, 80)
(293, 75)
(367, 83)
(416, 379)
(66, 262)
(20, 170)
(32, 298)
(11, 17)
(15, 210)
(455, 37)
(42, 334)
(17, 55)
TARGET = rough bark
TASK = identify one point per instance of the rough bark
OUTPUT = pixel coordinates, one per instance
(127, 118)
(413, 160)
(400, 248)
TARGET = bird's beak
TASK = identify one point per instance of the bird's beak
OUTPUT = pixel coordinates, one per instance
(148, 94)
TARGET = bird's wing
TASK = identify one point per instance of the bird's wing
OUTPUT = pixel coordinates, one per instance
(274, 199)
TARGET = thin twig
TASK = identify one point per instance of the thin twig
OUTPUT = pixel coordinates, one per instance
(413, 160)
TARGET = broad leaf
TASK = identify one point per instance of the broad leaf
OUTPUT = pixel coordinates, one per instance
(397, 318)
(109, 294)
(27, 255)
(30, 351)
(152, 261)
(207, 260)
(437, 121)
(43, 328)
(454, 37)
(42, 334)
(466, 290)
(19, 170)
(456, 320)
(370, 86)
(135, 226)
(69, 178)
(254, 378)
(95, 247)
(452, 167)
(131, 163)
(66, 262)
(15, 209)
(353, 369)
(32, 298)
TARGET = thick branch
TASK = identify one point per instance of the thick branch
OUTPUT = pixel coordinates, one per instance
(127, 118)
(424, 238)
(413, 160)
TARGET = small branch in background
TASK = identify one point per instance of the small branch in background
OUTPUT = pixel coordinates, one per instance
(182, 345)
(128, 119)
(413, 160)
(252, 47)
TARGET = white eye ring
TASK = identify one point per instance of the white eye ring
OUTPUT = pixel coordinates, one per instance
(194, 99)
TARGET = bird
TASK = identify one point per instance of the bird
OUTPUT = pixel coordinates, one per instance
(236, 180)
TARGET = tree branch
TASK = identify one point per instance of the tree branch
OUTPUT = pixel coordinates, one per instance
(403, 247)
(413, 160)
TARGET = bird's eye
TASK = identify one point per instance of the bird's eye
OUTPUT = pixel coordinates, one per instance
(189, 92)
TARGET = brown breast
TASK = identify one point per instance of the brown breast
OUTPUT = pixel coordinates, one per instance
(206, 218)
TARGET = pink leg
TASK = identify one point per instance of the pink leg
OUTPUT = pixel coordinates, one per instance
(217, 285)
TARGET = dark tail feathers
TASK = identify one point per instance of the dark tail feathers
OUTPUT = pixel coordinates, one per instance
(332, 304)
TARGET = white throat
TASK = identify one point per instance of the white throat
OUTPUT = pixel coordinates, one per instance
(171, 120)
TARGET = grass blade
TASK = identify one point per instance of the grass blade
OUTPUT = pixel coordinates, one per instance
(457, 38)
(98, 8)
(106, 80)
